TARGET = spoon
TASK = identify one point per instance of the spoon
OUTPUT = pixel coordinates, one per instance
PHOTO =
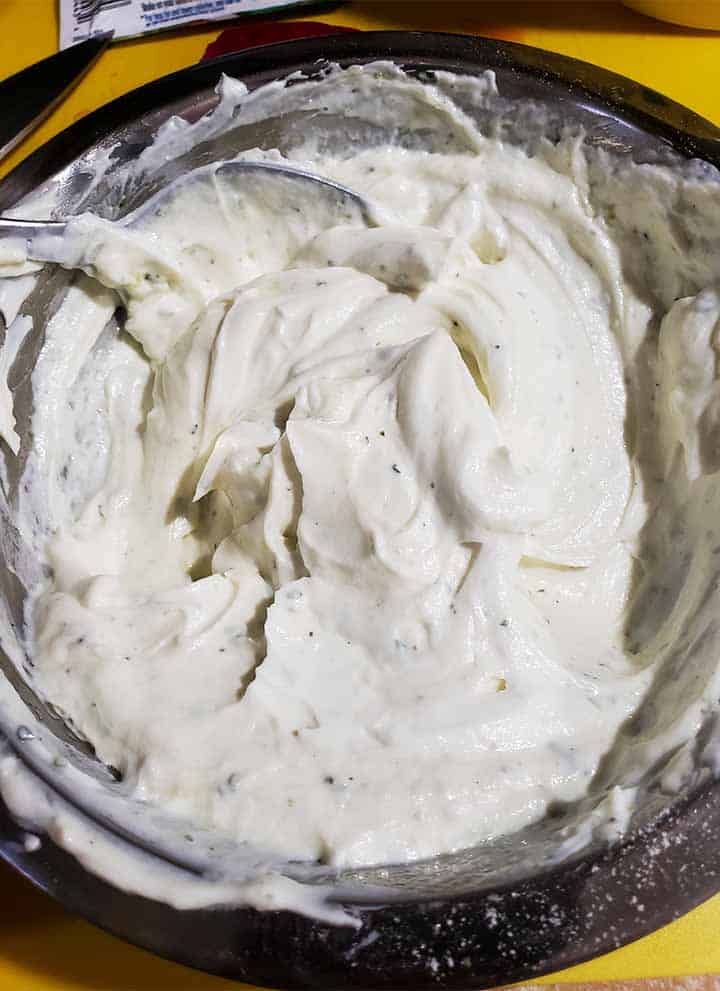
(32, 229)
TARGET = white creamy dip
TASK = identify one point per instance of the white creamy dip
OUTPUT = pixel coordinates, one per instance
(344, 529)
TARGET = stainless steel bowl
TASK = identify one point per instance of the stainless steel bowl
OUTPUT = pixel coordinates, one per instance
(498, 913)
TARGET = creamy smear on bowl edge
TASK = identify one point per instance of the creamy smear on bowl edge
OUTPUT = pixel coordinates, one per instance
(344, 529)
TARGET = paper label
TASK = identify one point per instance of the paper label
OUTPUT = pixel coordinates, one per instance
(81, 19)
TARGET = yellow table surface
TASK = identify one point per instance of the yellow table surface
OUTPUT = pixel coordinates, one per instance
(42, 948)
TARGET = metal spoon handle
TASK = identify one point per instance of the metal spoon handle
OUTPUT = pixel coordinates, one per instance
(9, 227)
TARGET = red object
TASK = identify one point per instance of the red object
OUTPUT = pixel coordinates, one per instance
(265, 32)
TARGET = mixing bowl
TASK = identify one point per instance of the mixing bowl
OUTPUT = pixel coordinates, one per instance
(539, 900)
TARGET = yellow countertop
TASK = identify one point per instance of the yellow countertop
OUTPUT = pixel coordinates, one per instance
(43, 948)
